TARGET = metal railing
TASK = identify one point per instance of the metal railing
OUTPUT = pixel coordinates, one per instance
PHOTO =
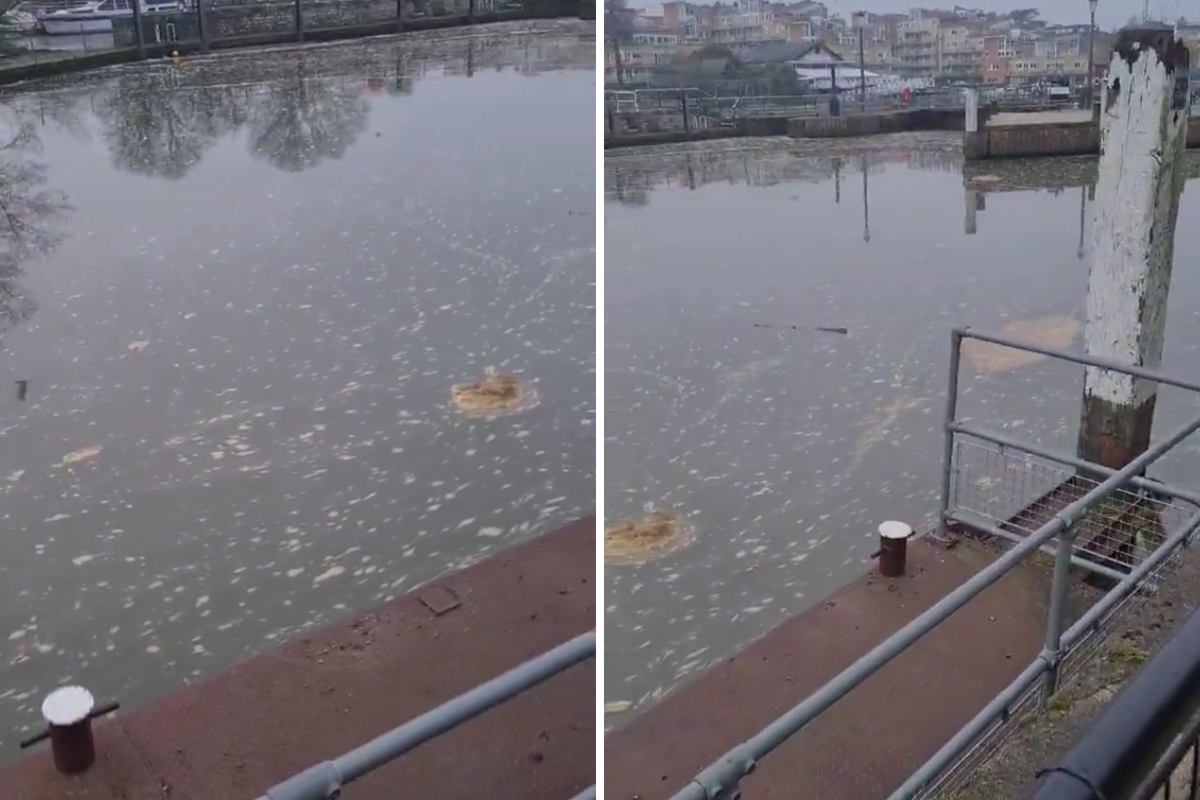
(691, 109)
(1058, 532)
(326, 780)
(1146, 743)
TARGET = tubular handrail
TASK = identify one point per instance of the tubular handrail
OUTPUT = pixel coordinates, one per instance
(739, 761)
(719, 781)
(1135, 744)
(325, 780)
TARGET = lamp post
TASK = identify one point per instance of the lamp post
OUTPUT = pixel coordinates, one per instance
(860, 19)
(1091, 77)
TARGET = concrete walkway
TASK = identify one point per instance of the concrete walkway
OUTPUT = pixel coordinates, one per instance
(236, 735)
(870, 741)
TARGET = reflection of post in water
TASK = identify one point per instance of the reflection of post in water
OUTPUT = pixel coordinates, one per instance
(866, 205)
(1142, 132)
(404, 78)
(837, 181)
(1083, 193)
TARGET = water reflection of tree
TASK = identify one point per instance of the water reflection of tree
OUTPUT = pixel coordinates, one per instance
(30, 213)
(297, 125)
(153, 132)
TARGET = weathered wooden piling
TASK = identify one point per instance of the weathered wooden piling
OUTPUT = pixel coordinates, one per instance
(1143, 129)
(972, 138)
(971, 203)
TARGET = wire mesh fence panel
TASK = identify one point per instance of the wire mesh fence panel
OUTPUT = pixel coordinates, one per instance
(1017, 492)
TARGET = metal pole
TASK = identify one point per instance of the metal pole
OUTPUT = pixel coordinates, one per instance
(324, 781)
(139, 30)
(299, 21)
(1085, 359)
(200, 26)
(862, 65)
(956, 337)
(866, 204)
(1052, 649)
(1091, 76)
(736, 764)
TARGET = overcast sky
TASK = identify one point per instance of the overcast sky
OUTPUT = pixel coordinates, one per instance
(1110, 14)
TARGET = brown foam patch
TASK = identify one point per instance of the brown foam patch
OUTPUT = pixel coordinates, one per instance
(653, 536)
(1056, 332)
(494, 396)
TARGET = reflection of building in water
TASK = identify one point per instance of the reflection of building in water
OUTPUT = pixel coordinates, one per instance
(629, 180)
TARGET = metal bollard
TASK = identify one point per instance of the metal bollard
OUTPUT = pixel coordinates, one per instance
(893, 548)
(69, 712)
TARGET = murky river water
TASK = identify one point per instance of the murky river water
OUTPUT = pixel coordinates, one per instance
(240, 290)
(784, 448)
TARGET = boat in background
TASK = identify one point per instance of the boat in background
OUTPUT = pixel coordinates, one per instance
(96, 16)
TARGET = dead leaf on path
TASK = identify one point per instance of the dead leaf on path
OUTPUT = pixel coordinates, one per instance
(1056, 332)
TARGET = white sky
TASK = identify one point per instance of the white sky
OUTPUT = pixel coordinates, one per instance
(1110, 14)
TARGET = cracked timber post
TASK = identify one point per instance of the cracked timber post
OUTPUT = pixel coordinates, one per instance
(1143, 129)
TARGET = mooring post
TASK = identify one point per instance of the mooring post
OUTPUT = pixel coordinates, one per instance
(971, 139)
(1143, 130)
(972, 208)
(893, 548)
(68, 712)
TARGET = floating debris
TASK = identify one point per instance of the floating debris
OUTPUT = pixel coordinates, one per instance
(653, 536)
(1056, 332)
(493, 396)
(80, 455)
(137, 347)
(820, 328)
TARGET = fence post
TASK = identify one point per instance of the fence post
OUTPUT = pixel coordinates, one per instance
(1143, 130)
(200, 26)
(1052, 649)
(471, 10)
(299, 21)
(139, 33)
(399, 16)
(683, 104)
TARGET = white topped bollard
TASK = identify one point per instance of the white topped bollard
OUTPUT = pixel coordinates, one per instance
(68, 712)
(1143, 132)
(893, 548)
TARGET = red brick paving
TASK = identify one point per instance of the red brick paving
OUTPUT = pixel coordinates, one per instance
(238, 734)
(871, 740)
